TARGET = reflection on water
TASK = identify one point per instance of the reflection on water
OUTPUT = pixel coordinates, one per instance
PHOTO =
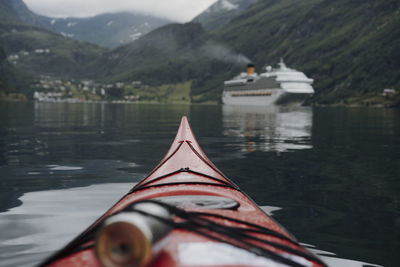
(45, 115)
(331, 260)
(47, 220)
(338, 188)
(269, 128)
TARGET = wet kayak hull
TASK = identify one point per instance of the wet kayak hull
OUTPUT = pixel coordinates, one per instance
(239, 232)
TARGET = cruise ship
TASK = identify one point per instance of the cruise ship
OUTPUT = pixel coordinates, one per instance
(276, 86)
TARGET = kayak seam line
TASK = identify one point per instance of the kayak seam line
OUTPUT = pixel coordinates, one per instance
(211, 177)
(161, 163)
(206, 162)
(160, 178)
(182, 183)
(181, 171)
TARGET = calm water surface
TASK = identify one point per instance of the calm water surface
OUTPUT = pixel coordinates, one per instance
(334, 172)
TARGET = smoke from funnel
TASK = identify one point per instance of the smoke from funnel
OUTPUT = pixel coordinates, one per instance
(220, 52)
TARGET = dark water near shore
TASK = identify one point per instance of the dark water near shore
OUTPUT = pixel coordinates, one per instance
(334, 172)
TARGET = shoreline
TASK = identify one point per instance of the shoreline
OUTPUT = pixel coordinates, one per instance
(353, 105)
(369, 101)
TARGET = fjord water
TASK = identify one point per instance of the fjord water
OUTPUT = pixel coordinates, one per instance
(333, 172)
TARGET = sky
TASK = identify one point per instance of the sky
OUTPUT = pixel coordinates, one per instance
(175, 10)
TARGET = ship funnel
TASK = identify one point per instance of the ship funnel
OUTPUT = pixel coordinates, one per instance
(250, 69)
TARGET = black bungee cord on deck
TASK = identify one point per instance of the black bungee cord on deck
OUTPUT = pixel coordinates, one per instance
(198, 223)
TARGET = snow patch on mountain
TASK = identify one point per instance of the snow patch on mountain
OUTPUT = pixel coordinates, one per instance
(221, 12)
(225, 4)
(221, 6)
(110, 23)
(71, 24)
(135, 36)
(67, 35)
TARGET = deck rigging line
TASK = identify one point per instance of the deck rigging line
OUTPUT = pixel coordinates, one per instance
(197, 222)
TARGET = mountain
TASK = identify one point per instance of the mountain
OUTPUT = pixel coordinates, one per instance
(19, 9)
(107, 30)
(9, 83)
(5, 69)
(221, 12)
(174, 53)
(7, 13)
(350, 48)
(33, 51)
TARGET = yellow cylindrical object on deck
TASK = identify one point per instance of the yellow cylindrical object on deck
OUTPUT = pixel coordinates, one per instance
(129, 238)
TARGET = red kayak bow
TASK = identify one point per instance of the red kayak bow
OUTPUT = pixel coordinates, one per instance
(186, 212)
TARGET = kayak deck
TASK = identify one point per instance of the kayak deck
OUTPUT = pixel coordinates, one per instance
(214, 223)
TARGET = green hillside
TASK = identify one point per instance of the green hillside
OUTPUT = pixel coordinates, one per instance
(28, 52)
(172, 54)
(4, 72)
(350, 48)
(107, 30)
(7, 14)
(42, 52)
(8, 81)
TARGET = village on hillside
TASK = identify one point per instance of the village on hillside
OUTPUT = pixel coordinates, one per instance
(48, 89)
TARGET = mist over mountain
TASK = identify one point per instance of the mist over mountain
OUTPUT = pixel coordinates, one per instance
(107, 30)
(29, 52)
(351, 49)
(174, 53)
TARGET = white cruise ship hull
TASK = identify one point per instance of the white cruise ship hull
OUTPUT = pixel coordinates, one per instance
(275, 87)
(273, 97)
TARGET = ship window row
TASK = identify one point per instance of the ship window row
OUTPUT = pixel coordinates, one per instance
(266, 93)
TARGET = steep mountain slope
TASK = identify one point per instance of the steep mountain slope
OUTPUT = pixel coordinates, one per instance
(19, 9)
(4, 72)
(7, 13)
(222, 12)
(9, 83)
(11, 80)
(351, 48)
(44, 53)
(171, 54)
(108, 30)
(34, 51)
